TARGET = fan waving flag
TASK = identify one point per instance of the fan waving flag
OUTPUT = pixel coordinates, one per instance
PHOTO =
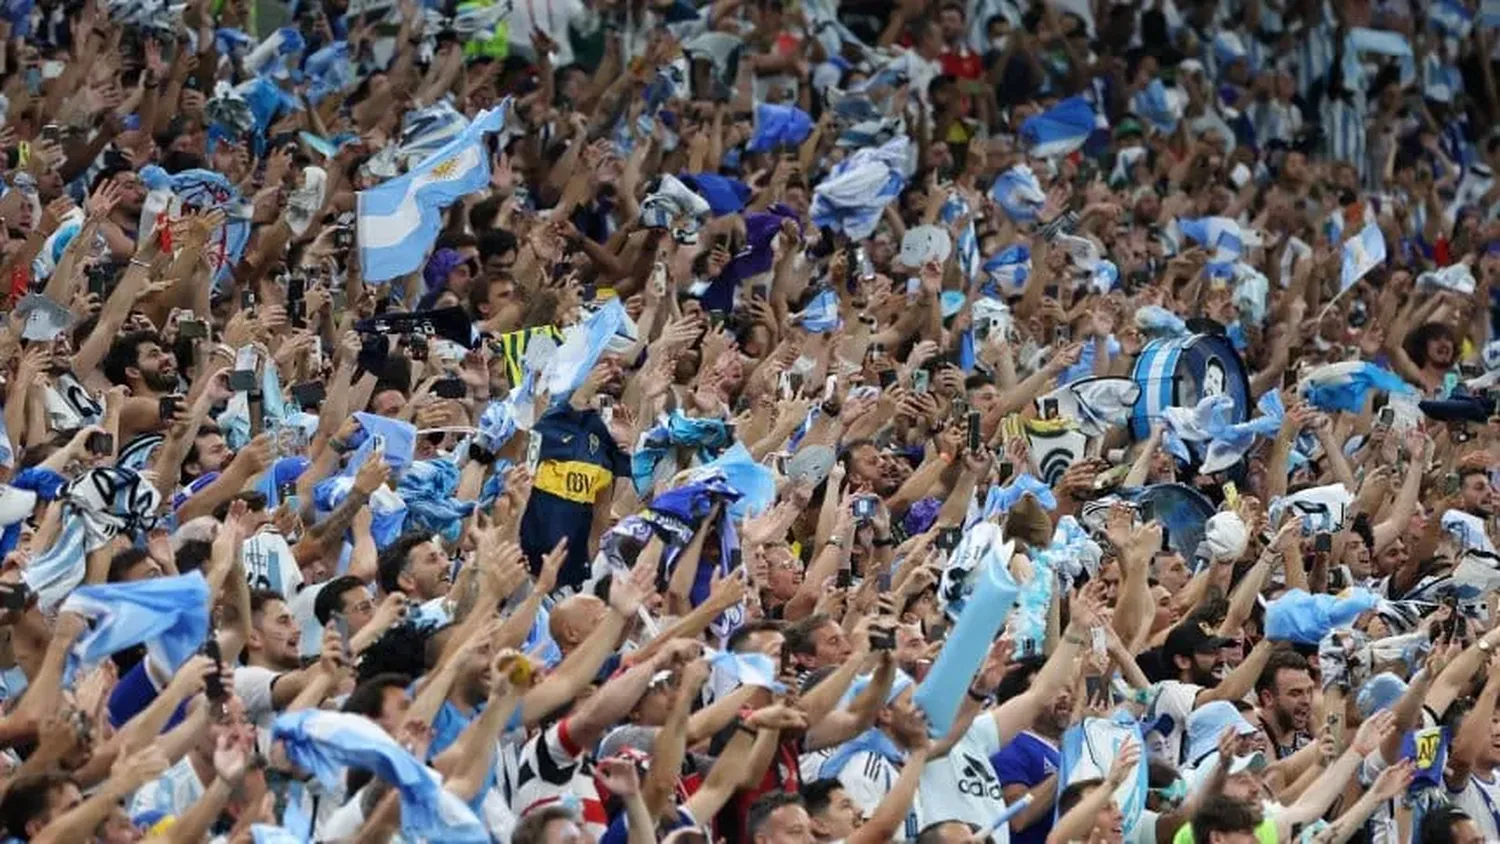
(1362, 253)
(169, 614)
(326, 743)
(399, 220)
(1061, 129)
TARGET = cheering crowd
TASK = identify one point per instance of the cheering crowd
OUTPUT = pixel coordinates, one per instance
(763, 421)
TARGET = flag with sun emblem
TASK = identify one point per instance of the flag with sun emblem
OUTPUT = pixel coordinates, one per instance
(399, 220)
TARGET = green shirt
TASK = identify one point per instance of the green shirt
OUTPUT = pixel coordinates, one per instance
(1265, 833)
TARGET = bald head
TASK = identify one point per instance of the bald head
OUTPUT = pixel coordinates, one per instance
(573, 619)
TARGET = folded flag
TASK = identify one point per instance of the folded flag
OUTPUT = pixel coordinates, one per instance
(1345, 385)
(1304, 619)
(398, 221)
(328, 743)
(98, 505)
(732, 670)
(168, 614)
(1059, 130)
(1362, 253)
(1160, 322)
(1450, 18)
(1221, 234)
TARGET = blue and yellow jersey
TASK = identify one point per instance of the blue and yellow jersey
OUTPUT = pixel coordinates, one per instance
(578, 462)
(512, 348)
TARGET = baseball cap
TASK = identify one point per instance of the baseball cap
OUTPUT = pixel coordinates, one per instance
(1191, 638)
(1209, 721)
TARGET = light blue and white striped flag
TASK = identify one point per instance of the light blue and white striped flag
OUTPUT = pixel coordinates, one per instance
(1450, 18)
(7, 447)
(582, 347)
(1362, 253)
(1061, 129)
(968, 242)
(327, 743)
(1222, 234)
(852, 198)
(821, 314)
(1019, 194)
(169, 614)
(398, 221)
(1159, 107)
(732, 670)
(1010, 268)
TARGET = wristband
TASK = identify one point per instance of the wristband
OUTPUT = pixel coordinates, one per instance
(338, 445)
(480, 454)
(887, 542)
(137, 262)
(254, 395)
(978, 697)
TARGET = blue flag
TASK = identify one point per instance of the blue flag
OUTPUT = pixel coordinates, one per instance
(168, 614)
(1303, 619)
(778, 127)
(398, 221)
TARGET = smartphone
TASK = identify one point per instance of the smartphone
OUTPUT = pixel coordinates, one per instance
(784, 387)
(417, 347)
(1097, 689)
(976, 437)
(1231, 495)
(534, 452)
(1323, 542)
(296, 287)
(1387, 417)
(1049, 408)
(450, 388)
(919, 381)
(343, 238)
(882, 639)
(14, 596)
(340, 300)
(309, 394)
(296, 310)
(166, 407)
(341, 624)
(1062, 335)
(192, 329)
(876, 351)
(247, 300)
(1099, 641)
(658, 279)
(99, 443)
(887, 378)
(1005, 470)
(213, 686)
(98, 276)
(864, 508)
(242, 380)
(1050, 291)
(1147, 510)
(845, 578)
(607, 409)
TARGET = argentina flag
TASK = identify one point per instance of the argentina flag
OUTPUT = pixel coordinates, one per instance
(399, 220)
(326, 743)
(1059, 130)
(1009, 269)
(1362, 253)
(1019, 194)
(968, 242)
(169, 614)
(853, 197)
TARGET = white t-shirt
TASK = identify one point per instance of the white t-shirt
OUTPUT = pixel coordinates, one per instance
(252, 685)
(1481, 801)
(866, 777)
(963, 786)
(1176, 699)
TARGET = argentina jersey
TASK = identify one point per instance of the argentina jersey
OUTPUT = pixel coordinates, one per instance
(577, 462)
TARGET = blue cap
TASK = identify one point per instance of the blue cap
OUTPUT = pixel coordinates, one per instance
(1206, 723)
(1379, 692)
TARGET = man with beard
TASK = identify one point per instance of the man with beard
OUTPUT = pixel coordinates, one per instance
(1466, 523)
(140, 360)
(1028, 764)
(1195, 656)
(1284, 692)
